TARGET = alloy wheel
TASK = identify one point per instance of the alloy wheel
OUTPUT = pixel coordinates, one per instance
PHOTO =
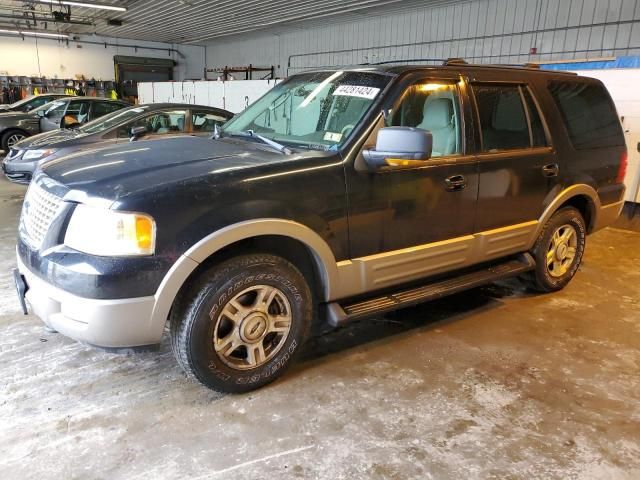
(252, 327)
(562, 250)
(15, 138)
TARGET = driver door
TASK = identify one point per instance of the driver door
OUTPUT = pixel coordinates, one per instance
(406, 222)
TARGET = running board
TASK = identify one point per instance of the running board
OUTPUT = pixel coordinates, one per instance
(340, 314)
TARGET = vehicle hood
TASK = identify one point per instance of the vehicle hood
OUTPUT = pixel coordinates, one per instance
(110, 173)
(12, 117)
(54, 139)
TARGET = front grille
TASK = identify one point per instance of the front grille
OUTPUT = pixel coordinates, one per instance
(38, 211)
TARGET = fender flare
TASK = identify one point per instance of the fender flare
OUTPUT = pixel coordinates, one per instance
(199, 252)
(566, 195)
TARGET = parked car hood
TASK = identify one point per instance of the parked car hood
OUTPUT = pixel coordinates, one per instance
(55, 138)
(12, 117)
(110, 173)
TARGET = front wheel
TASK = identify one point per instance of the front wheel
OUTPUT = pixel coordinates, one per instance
(558, 251)
(239, 325)
(10, 138)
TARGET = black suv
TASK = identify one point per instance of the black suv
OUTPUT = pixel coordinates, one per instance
(339, 194)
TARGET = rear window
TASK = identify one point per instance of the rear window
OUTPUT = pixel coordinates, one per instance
(588, 113)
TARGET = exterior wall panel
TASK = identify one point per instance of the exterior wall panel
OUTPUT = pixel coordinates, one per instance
(484, 31)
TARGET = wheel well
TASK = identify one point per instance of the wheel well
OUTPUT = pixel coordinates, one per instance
(288, 248)
(13, 129)
(586, 208)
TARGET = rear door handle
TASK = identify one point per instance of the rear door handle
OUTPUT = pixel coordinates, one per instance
(551, 170)
(455, 183)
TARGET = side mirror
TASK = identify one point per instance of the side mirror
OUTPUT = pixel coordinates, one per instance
(399, 143)
(137, 132)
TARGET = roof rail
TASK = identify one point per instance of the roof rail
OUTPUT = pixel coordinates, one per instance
(532, 65)
(455, 61)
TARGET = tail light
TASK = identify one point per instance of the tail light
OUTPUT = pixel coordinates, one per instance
(622, 169)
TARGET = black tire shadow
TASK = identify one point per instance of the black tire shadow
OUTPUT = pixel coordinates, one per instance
(425, 316)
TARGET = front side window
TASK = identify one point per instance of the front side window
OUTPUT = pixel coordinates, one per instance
(434, 107)
(53, 110)
(113, 119)
(206, 121)
(588, 113)
(503, 119)
(313, 110)
(159, 123)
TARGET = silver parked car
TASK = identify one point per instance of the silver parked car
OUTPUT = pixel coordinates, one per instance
(134, 123)
(61, 113)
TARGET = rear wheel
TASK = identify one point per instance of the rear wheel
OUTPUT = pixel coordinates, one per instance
(240, 324)
(558, 251)
(10, 138)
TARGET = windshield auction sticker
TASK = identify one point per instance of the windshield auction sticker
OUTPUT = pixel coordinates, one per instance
(357, 91)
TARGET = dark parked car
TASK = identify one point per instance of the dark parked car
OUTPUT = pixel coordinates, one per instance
(337, 195)
(134, 123)
(30, 103)
(61, 113)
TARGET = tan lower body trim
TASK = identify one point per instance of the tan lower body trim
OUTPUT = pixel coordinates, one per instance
(383, 270)
(608, 215)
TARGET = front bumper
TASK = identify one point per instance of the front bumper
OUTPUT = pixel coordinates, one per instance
(18, 172)
(104, 323)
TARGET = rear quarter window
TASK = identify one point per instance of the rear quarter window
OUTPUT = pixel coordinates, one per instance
(588, 113)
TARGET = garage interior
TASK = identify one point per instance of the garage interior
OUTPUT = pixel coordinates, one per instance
(496, 382)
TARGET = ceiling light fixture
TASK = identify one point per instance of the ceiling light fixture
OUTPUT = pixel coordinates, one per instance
(34, 34)
(99, 6)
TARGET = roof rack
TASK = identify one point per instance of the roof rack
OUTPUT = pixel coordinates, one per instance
(455, 61)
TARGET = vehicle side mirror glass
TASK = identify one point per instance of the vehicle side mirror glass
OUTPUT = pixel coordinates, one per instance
(137, 132)
(399, 146)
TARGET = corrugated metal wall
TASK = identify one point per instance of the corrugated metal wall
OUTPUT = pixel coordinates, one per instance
(497, 31)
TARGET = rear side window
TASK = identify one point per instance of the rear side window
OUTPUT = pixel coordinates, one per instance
(588, 113)
(509, 118)
(102, 108)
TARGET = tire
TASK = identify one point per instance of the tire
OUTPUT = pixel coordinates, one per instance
(10, 137)
(558, 251)
(225, 338)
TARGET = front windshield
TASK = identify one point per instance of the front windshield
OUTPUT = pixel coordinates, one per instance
(112, 119)
(311, 110)
(19, 103)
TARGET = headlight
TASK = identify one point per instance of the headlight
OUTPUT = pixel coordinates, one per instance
(102, 232)
(37, 154)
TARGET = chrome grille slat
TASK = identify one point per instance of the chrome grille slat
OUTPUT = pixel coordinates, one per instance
(38, 211)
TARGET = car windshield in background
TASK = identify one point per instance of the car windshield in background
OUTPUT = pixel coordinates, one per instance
(112, 120)
(19, 103)
(313, 110)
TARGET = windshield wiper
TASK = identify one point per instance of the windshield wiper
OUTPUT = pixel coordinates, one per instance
(267, 141)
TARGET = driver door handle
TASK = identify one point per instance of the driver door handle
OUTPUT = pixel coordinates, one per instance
(551, 170)
(455, 183)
